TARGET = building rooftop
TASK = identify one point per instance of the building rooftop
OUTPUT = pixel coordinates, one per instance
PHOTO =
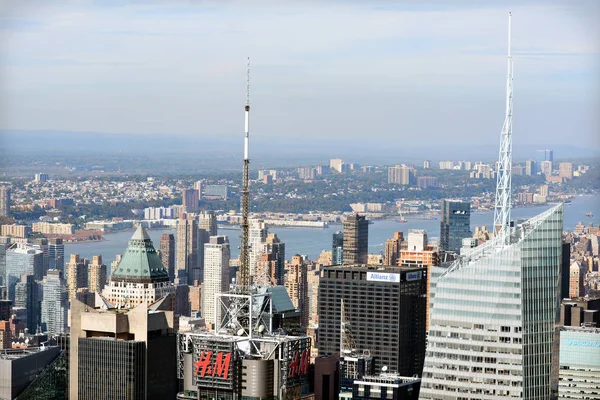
(140, 262)
(14, 354)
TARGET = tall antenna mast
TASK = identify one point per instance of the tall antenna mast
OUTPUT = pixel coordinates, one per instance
(503, 182)
(244, 252)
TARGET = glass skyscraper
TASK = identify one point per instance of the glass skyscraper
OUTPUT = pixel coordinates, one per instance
(492, 326)
(455, 224)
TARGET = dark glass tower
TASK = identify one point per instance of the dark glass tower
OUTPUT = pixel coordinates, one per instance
(337, 248)
(385, 308)
(455, 224)
(356, 239)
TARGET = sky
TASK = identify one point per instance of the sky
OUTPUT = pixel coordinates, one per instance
(401, 72)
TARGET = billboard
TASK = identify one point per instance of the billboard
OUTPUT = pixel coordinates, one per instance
(383, 277)
(295, 361)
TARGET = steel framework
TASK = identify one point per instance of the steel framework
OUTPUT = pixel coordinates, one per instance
(503, 182)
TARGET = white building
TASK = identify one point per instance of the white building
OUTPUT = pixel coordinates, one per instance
(216, 275)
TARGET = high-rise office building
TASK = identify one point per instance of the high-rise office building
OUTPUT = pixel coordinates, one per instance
(42, 244)
(296, 283)
(336, 164)
(216, 261)
(549, 155)
(167, 253)
(207, 227)
(140, 277)
(356, 239)
(392, 249)
(96, 275)
(190, 198)
(27, 297)
(257, 235)
(385, 309)
(494, 316)
(55, 306)
(401, 175)
(77, 274)
(337, 248)
(455, 224)
(530, 167)
(123, 355)
(579, 374)
(4, 201)
(576, 280)
(418, 253)
(187, 250)
(23, 259)
(276, 248)
(2, 265)
(56, 255)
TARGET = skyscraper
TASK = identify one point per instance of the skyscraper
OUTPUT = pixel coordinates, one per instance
(4, 201)
(23, 259)
(296, 283)
(385, 308)
(27, 298)
(207, 227)
(337, 248)
(140, 277)
(186, 252)
(565, 170)
(257, 235)
(493, 317)
(77, 274)
(356, 239)
(167, 253)
(56, 255)
(455, 224)
(275, 247)
(96, 275)
(392, 249)
(55, 306)
(117, 354)
(216, 262)
(189, 199)
(42, 244)
(2, 265)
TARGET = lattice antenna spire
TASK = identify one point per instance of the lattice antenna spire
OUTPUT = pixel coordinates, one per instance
(244, 250)
(503, 182)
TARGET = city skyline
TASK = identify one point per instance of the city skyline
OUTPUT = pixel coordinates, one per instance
(175, 69)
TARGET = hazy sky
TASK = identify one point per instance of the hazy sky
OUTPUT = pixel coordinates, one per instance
(396, 70)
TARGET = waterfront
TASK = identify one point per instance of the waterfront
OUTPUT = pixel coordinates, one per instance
(311, 241)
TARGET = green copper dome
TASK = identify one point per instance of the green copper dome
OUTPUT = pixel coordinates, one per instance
(140, 262)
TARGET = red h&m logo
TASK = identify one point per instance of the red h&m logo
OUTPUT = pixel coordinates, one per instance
(220, 367)
(299, 364)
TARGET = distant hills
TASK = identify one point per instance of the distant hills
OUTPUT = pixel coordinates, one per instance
(268, 151)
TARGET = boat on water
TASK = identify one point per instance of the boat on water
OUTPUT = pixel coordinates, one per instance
(402, 219)
(589, 214)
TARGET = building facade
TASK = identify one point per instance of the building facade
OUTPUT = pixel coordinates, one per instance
(188, 249)
(96, 275)
(579, 374)
(337, 248)
(167, 253)
(356, 239)
(455, 224)
(190, 198)
(385, 308)
(216, 260)
(4, 201)
(23, 259)
(77, 274)
(55, 306)
(296, 284)
(492, 329)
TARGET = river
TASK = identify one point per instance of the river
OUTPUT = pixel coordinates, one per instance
(311, 241)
